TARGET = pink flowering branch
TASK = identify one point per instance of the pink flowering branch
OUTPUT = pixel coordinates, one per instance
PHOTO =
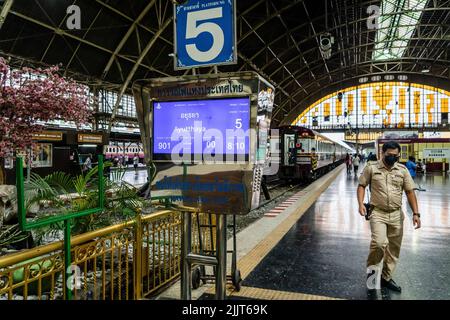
(25, 102)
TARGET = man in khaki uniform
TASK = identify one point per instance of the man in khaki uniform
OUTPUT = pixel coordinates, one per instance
(387, 179)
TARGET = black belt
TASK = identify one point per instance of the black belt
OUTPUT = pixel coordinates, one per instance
(386, 210)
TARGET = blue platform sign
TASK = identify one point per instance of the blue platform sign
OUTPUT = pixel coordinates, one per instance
(205, 33)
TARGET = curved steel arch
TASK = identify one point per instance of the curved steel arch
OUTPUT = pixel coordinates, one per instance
(126, 37)
(336, 27)
(347, 23)
(306, 25)
(369, 63)
(316, 65)
(135, 68)
(77, 38)
(297, 92)
(267, 19)
(288, 49)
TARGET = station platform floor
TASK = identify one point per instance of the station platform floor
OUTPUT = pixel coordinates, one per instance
(324, 253)
(315, 246)
(137, 178)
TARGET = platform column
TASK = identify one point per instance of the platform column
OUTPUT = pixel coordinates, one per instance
(221, 243)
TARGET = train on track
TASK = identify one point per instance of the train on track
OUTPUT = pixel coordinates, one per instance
(305, 154)
(128, 152)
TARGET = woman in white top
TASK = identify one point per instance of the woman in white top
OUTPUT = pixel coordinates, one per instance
(135, 163)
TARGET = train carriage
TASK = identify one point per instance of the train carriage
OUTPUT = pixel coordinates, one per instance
(306, 154)
(129, 151)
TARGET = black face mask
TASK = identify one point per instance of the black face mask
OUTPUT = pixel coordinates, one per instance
(390, 160)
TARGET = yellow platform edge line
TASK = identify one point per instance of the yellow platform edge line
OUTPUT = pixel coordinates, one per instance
(268, 294)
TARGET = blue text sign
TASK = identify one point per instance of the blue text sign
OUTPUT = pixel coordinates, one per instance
(205, 33)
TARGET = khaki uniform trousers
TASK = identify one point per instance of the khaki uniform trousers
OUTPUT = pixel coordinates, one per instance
(387, 233)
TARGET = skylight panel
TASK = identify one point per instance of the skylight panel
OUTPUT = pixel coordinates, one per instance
(397, 23)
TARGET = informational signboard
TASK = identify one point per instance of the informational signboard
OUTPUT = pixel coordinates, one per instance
(436, 153)
(208, 138)
(90, 138)
(205, 33)
(42, 155)
(400, 134)
(203, 125)
(48, 136)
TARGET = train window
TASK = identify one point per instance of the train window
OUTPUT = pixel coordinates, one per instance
(305, 145)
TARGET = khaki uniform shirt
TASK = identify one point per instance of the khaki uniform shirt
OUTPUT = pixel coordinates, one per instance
(386, 186)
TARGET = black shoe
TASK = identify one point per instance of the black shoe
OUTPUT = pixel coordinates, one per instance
(390, 285)
(372, 294)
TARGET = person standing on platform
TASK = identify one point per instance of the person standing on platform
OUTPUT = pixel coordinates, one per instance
(411, 165)
(371, 157)
(135, 163)
(360, 156)
(355, 162)
(348, 163)
(419, 168)
(87, 163)
(387, 180)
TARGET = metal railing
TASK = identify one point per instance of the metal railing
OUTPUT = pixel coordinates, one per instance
(130, 260)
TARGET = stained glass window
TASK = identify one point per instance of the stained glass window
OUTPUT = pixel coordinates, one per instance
(379, 105)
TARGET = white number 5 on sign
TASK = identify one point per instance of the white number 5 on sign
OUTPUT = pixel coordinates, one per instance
(194, 29)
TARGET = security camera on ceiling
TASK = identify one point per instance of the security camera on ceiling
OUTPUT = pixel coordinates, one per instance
(326, 41)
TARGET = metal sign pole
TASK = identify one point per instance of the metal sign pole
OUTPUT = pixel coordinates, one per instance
(221, 243)
(186, 250)
(67, 259)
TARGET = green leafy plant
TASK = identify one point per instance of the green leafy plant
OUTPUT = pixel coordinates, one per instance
(48, 189)
(54, 189)
(10, 235)
(125, 200)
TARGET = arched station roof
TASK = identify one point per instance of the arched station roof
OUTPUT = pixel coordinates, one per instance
(124, 40)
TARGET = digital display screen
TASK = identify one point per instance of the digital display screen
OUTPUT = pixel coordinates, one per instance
(213, 126)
